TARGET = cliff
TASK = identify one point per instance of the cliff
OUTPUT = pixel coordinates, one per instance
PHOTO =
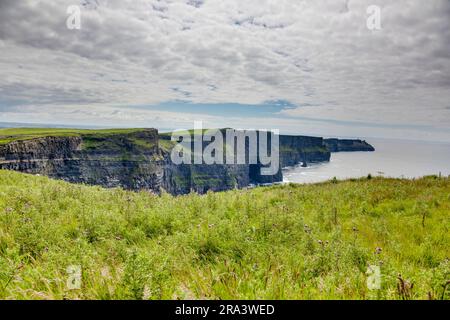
(347, 145)
(302, 149)
(181, 179)
(139, 159)
(134, 160)
(128, 160)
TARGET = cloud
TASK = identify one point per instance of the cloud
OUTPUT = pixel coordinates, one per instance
(318, 55)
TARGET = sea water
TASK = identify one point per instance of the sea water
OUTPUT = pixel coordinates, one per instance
(392, 158)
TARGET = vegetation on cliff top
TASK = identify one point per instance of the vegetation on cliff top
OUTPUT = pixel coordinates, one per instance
(290, 241)
(8, 135)
(129, 143)
(97, 138)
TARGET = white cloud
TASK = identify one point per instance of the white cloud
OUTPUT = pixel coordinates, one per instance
(317, 53)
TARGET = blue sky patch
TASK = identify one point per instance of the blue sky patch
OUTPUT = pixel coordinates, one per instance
(268, 108)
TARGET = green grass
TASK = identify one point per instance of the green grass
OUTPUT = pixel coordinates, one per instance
(8, 135)
(279, 242)
(304, 150)
(166, 145)
(191, 132)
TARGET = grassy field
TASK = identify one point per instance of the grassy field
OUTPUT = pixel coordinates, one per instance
(279, 242)
(14, 134)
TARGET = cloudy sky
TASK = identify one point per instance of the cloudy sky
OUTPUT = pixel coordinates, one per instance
(305, 67)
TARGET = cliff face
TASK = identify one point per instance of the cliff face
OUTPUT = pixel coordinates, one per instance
(181, 179)
(131, 161)
(347, 145)
(138, 160)
(42, 148)
(298, 149)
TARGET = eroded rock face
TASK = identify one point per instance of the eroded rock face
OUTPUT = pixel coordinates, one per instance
(41, 148)
(185, 178)
(200, 178)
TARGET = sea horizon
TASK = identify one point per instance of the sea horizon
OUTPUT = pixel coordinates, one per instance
(394, 158)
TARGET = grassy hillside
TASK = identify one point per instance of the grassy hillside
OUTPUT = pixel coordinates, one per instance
(292, 242)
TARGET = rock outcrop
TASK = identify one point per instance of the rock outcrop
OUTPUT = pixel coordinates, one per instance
(347, 145)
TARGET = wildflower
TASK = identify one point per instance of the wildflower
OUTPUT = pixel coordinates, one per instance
(105, 272)
(307, 228)
(378, 250)
(404, 287)
(147, 293)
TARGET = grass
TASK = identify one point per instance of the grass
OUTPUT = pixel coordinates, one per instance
(279, 242)
(305, 150)
(166, 145)
(8, 135)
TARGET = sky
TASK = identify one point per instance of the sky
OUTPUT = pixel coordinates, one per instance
(303, 67)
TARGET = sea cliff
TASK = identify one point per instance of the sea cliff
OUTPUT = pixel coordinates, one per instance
(140, 160)
(347, 145)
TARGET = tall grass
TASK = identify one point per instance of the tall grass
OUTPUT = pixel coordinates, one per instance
(280, 242)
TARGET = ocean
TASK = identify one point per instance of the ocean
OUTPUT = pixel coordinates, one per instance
(392, 158)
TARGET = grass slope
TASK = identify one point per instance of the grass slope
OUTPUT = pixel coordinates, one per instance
(292, 241)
